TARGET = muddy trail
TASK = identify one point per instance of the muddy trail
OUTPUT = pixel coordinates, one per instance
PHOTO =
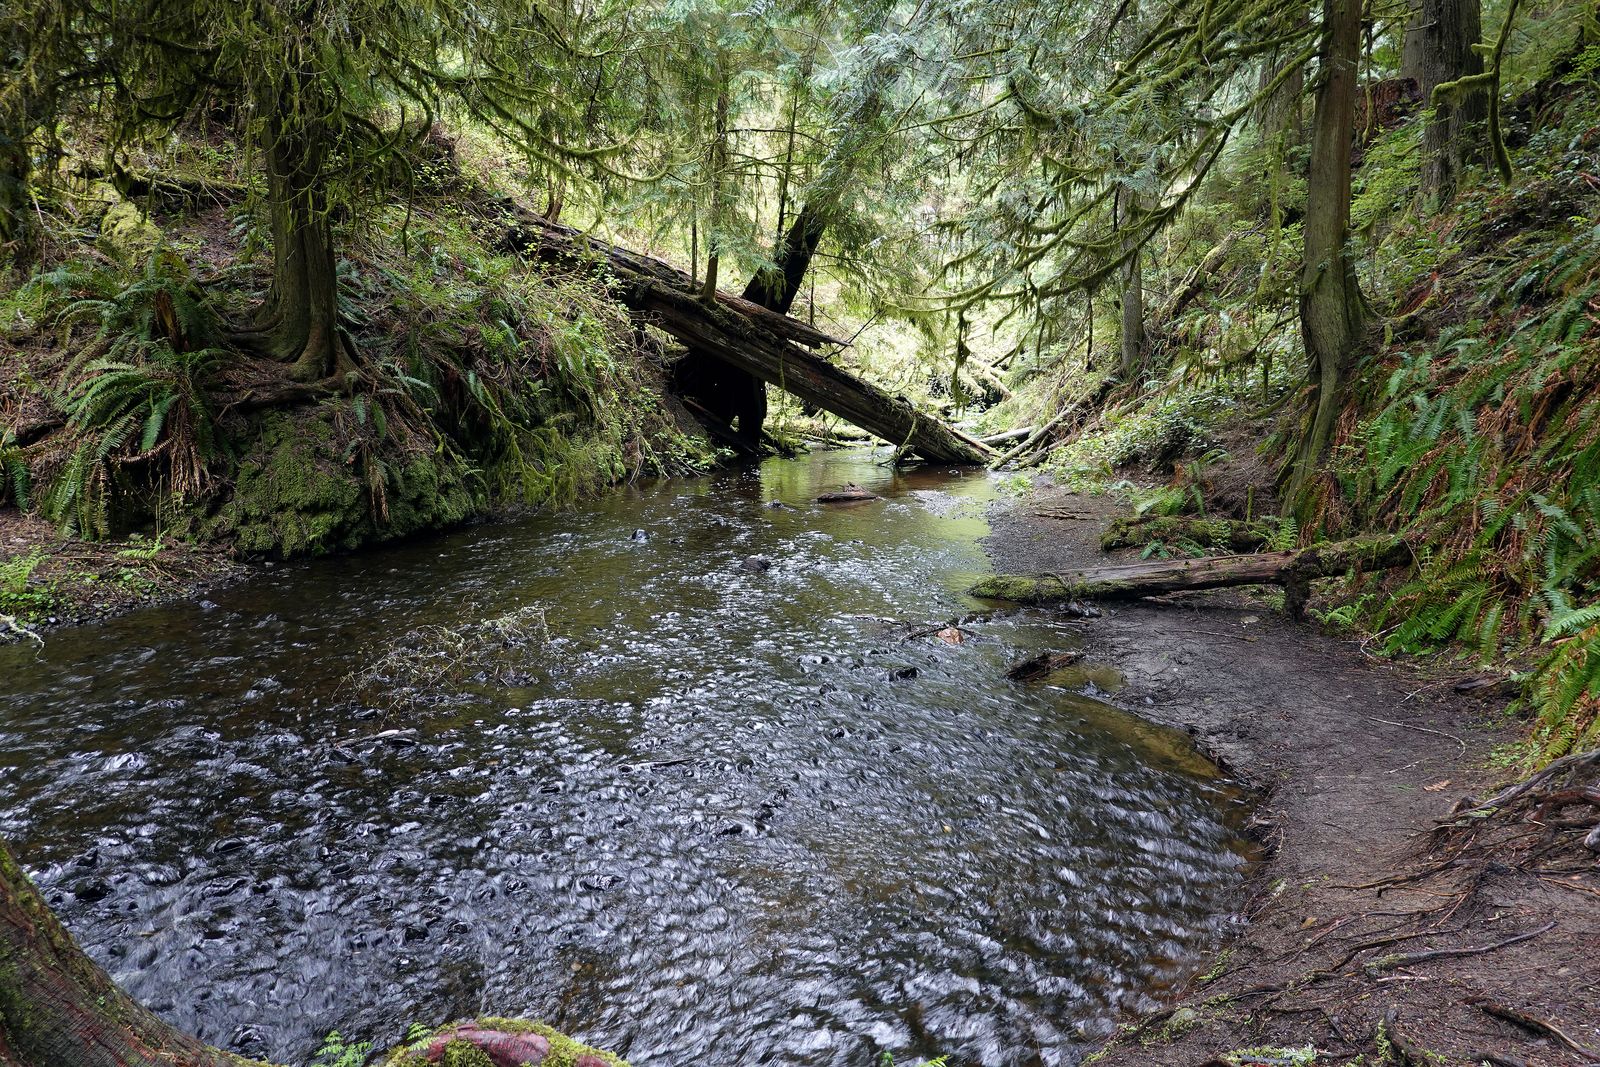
(1374, 937)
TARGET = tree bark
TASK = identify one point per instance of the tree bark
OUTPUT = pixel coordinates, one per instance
(1448, 30)
(1333, 313)
(1131, 361)
(727, 392)
(1278, 116)
(1412, 47)
(299, 322)
(747, 337)
(58, 1008)
(16, 224)
(1131, 581)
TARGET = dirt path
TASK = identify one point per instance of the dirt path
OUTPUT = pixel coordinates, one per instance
(1354, 758)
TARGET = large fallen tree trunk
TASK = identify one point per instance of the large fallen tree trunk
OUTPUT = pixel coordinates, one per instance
(748, 336)
(1129, 581)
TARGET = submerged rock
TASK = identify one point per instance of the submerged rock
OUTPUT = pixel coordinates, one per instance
(851, 493)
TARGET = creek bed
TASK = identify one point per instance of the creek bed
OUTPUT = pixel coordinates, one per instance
(665, 772)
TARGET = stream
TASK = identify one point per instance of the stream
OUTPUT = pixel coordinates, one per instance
(669, 772)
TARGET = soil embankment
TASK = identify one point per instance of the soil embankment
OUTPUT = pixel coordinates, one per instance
(1370, 937)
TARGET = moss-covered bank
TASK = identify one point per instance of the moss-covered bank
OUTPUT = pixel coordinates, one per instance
(132, 403)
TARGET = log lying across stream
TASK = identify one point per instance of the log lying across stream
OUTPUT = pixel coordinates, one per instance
(1129, 581)
(763, 343)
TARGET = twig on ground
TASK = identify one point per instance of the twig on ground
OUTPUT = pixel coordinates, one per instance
(1217, 633)
(1407, 959)
(1419, 729)
(1529, 1022)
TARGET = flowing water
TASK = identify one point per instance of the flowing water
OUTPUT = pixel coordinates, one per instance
(705, 813)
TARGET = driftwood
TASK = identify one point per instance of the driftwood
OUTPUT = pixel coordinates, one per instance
(1042, 664)
(1293, 570)
(1008, 435)
(763, 343)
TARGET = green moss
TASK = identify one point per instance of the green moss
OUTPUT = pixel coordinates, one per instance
(564, 1051)
(296, 493)
(127, 233)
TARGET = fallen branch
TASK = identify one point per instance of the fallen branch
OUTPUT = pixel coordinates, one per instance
(11, 629)
(1132, 581)
(1009, 435)
(1036, 436)
(1408, 959)
(1530, 1023)
(1406, 1051)
(1041, 665)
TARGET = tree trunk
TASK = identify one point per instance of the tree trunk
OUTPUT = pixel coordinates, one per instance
(1448, 30)
(299, 323)
(1278, 115)
(1130, 581)
(59, 1009)
(16, 223)
(1333, 313)
(1412, 47)
(729, 393)
(1131, 361)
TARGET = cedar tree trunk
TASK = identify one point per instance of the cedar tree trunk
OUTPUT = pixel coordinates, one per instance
(299, 323)
(59, 1009)
(1448, 31)
(1333, 313)
(728, 392)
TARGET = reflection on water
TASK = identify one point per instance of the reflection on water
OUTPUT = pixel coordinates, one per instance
(724, 815)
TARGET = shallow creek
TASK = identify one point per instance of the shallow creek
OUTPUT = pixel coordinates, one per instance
(706, 813)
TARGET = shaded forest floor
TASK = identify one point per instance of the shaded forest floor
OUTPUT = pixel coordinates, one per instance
(1354, 758)
(52, 579)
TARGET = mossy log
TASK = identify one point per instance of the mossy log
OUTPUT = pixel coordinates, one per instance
(771, 346)
(58, 1008)
(1234, 534)
(1130, 581)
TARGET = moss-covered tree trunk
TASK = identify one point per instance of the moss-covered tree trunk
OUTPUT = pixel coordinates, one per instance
(15, 167)
(728, 392)
(1132, 347)
(1448, 30)
(1278, 117)
(1333, 313)
(59, 1009)
(299, 322)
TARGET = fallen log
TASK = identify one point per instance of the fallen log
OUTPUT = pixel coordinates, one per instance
(1008, 435)
(743, 334)
(1130, 581)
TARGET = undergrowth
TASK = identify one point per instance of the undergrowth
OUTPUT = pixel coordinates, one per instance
(1480, 439)
(484, 383)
